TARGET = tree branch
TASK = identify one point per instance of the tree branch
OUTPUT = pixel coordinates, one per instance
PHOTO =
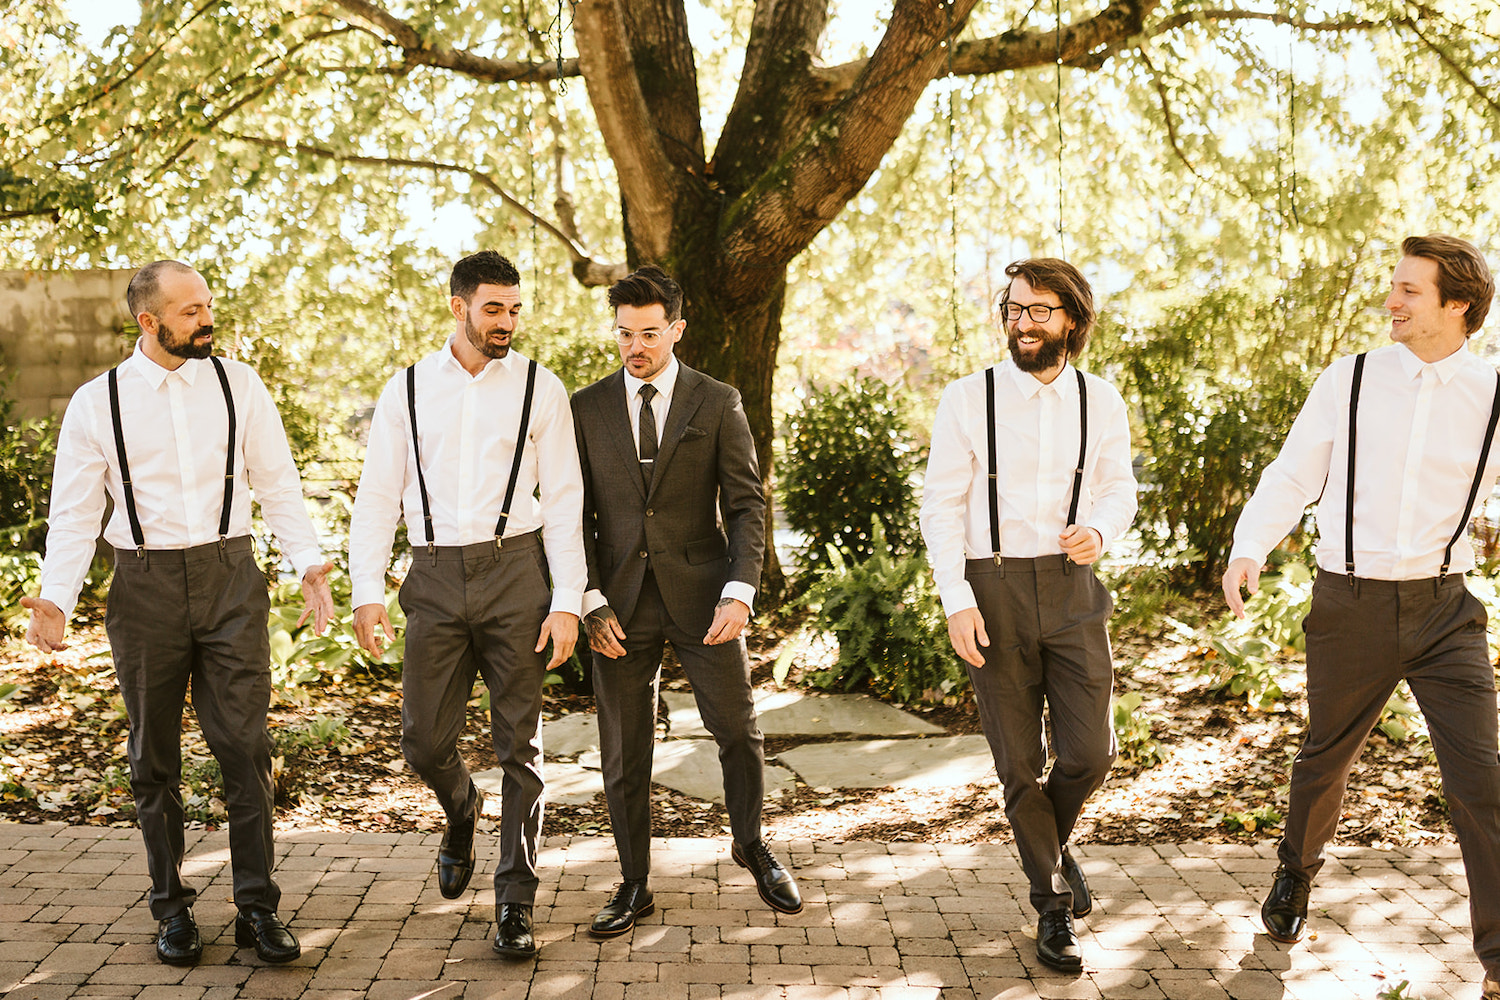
(645, 172)
(1167, 115)
(1453, 67)
(418, 51)
(586, 269)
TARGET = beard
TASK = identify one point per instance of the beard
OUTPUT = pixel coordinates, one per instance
(1048, 355)
(186, 346)
(481, 342)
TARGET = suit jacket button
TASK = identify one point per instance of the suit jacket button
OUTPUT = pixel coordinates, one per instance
(650, 512)
(643, 553)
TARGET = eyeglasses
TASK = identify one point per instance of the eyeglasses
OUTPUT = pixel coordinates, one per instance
(1039, 313)
(648, 338)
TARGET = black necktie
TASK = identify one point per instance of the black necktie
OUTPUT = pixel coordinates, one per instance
(647, 433)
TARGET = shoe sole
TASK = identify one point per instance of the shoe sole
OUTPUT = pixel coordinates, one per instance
(513, 953)
(182, 962)
(245, 938)
(1071, 968)
(1283, 940)
(737, 859)
(644, 911)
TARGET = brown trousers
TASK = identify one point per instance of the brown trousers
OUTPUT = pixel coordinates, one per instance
(196, 617)
(477, 610)
(1046, 621)
(1361, 641)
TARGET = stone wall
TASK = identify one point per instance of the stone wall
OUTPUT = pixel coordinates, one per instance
(59, 329)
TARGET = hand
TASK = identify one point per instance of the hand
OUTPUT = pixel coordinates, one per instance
(1082, 545)
(730, 618)
(562, 628)
(1241, 571)
(605, 632)
(966, 632)
(317, 599)
(45, 630)
(366, 618)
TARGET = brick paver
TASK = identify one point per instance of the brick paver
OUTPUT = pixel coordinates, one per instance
(882, 922)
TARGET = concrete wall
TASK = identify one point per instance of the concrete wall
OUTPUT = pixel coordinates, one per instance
(58, 330)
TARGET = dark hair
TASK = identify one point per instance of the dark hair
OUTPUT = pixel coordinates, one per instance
(1463, 275)
(648, 285)
(1050, 274)
(143, 294)
(483, 268)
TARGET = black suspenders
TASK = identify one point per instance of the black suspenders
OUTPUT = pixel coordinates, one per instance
(1463, 515)
(130, 511)
(515, 465)
(1083, 437)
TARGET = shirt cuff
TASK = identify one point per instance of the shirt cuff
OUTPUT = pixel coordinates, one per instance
(306, 560)
(593, 600)
(567, 600)
(742, 592)
(1247, 552)
(959, 597)
(365, 592)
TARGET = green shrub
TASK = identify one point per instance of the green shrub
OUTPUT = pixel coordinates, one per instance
(849, 461)
(890, 627)
(1246, 657)
(1133, 731)
(27, 451)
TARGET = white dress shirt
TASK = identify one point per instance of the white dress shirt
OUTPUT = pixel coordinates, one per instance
(468, 425)
(1420, 430)
(665, 384)
(175, 425)
(1036, 451)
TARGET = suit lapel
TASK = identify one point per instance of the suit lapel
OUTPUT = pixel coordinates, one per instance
(616, 418)
(686, 398)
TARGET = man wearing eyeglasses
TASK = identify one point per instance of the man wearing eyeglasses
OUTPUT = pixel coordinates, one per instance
(1028, 482)
(667, 459)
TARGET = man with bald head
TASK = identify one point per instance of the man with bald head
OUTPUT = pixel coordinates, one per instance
(174, 436)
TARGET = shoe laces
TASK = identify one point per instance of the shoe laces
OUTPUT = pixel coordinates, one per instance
(759, 855)
(1051, 918)
(624, 890)
(1301, 889)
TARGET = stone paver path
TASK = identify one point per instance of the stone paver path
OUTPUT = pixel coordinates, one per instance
(896, 921)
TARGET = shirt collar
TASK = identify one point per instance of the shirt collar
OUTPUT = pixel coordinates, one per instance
(448, 358)
(155, 374)
(1448, 367)
(665, 381)
(1030, 386)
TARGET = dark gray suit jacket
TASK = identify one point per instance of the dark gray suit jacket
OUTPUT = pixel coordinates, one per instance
(701, 524)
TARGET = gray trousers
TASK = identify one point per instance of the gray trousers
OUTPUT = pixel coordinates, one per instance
(1361, 641)
(625, 692)
(478, 610)
(196, 618)
(1045, 619)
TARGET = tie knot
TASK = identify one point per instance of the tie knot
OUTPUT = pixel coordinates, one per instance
(648, 392)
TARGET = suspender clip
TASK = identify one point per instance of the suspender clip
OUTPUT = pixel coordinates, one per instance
(497, 543)
(140, 552)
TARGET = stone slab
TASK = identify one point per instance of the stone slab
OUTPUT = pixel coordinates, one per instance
(692, 768)
(946, 761)
(570, 735)
(567, 784)
(799, 713)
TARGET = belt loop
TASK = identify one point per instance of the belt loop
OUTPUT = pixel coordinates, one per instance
(1437, 587)
(432, 553)
(1354, 582)
(1000, 564)
(1067, 565)
(144, 555)
(223, 539)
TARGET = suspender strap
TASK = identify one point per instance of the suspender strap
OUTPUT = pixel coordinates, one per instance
(989, 410)
(130, 512)
(1484, 458)
(515, 465)
(1359, 373)
(411, 409)
(994, 477)
(228, 454)
(1083, 437)
(114, 415)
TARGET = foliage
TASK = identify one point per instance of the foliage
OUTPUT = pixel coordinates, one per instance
(293, 747)
(1133, 731)
(1398, 991)
(27, 448)
(1249, 820)
(299, 657)
(891, 631)
(849, 463)
(1245, 659)
(1401, 720)
(1142, 593)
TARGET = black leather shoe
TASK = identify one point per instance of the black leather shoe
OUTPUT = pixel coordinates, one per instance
(513, 937)
(265, 932)
(772, 881)
(456, 854)
(1083, 901)
(1056, 944)
(632, 899)
(1285, 910)
(177, 940)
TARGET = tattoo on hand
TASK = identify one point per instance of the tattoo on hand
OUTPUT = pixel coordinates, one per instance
(724, 602)
(598, 624)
